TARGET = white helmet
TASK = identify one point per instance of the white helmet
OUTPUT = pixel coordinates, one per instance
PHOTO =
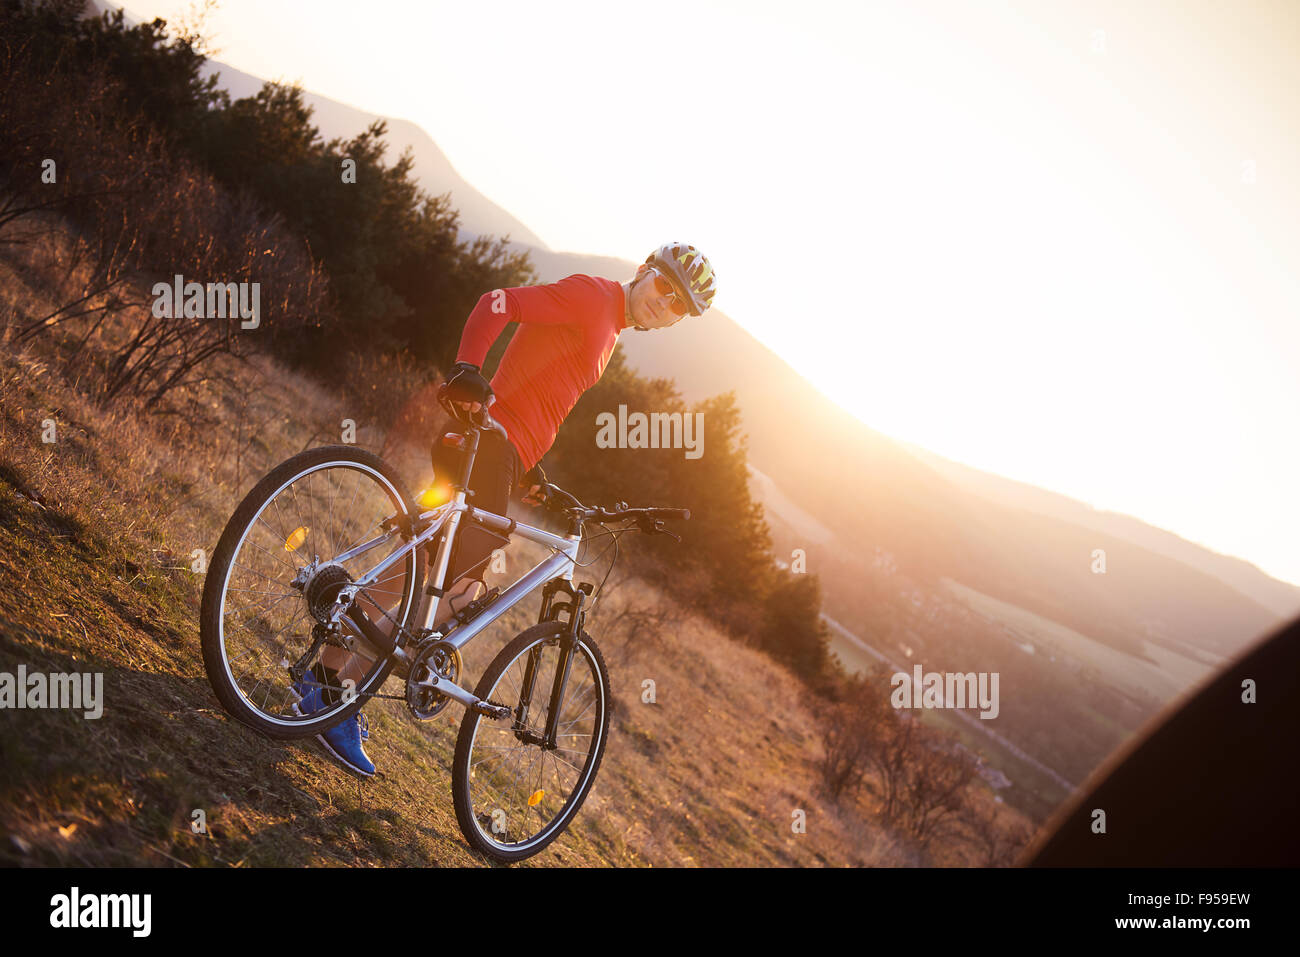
(687, 269)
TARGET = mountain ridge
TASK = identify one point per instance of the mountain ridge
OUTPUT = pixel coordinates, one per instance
(1280, 596)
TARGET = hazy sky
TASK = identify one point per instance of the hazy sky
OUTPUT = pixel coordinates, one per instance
(1053, 240)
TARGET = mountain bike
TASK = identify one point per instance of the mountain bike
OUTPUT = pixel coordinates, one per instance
(534, 727)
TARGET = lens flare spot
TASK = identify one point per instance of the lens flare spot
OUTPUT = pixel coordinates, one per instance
(431, 497)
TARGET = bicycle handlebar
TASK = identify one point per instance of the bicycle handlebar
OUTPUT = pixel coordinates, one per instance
(657, 514)
(559, 500)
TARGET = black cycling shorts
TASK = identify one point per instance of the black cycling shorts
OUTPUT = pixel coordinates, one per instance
(496, 473)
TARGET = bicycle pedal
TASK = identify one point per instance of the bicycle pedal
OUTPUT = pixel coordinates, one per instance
(492, 710)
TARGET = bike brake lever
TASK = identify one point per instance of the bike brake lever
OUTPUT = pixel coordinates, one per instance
(550, 501)
(656, 527)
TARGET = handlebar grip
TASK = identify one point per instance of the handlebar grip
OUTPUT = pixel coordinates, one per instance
(672, 512)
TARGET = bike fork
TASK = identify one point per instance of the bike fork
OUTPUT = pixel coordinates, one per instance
(568, 643)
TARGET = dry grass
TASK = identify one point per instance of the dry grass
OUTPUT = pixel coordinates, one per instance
(95, 577)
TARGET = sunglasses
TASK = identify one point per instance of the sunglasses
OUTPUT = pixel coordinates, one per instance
(665, 289)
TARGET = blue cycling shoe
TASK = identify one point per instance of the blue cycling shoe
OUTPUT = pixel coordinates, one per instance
(343, 741)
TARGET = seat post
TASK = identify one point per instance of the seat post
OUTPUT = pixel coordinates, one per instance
(467, 460)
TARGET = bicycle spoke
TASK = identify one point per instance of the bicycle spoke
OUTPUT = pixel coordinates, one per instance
(282, 538)
(350, 513)
(254, 571)
(263, 609)
(564, 762)
(253, 591)
(329, 522)
(576, 772)
(272, 554)
(583, 712)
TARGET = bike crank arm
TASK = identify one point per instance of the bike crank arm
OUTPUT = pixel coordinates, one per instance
(456, 693)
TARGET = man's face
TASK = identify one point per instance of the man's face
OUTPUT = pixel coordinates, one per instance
(650, 308)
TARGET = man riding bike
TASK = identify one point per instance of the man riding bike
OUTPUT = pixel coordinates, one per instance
(568, 331)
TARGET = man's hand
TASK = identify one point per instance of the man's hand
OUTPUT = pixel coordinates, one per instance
(535, 481)
(467, 388)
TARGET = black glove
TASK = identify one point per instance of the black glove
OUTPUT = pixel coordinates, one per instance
(466, 384)
(534, 476)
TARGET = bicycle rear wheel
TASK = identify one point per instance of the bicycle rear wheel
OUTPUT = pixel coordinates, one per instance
(513, 796)
(280, 553)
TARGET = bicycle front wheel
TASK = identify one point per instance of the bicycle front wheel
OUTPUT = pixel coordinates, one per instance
(514, 793)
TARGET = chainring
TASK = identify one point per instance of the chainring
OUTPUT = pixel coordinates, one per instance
(438, 658)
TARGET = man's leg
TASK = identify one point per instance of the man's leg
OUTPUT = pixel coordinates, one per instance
(496, 471)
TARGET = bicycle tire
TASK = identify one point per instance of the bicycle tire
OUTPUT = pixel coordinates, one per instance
(462, 799)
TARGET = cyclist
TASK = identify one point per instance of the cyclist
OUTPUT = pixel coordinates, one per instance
(567, 333)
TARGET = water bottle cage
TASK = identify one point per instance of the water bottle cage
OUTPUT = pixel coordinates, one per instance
(471, 611)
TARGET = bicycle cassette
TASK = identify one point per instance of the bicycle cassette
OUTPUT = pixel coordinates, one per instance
(322, 591)
(438, 659)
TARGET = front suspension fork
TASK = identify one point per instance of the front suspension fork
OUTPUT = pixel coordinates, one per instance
(568, 642)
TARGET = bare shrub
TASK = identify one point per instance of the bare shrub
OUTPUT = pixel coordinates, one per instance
(852, 730)
(846, 743)
(142, 214)
(934, 787)
(920, 780)
(996, 841)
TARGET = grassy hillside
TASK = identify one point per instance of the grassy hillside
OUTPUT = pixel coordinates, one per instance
(97, 530)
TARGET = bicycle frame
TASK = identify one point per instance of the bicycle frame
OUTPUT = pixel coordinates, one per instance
(424, 527)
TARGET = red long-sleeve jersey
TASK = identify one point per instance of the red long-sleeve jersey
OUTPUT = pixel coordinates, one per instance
(567, 332)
